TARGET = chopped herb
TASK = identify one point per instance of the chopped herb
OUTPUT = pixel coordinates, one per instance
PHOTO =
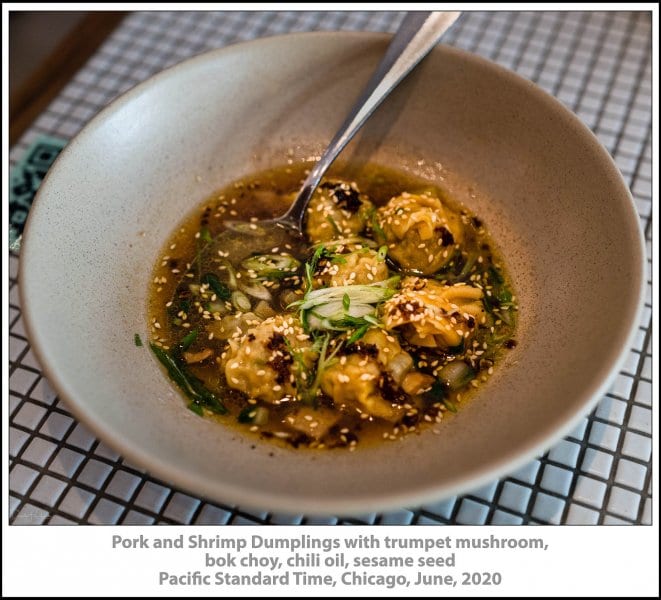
(311, 265)
(450, 405)
(189, 384)
(205, 236)
(272, 266)
(196, 408)
(220, 289)
(456, 375)
(325, 361)
(504, 296)
(495, 275)
(136, 340)
(247, 415)
(241, 301)
(334, 225)
(379, 234)
(356, 335)
(436, 393)
(187, 340)
(337, 308)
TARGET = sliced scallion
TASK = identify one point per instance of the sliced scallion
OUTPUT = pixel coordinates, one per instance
(220, 289)
(456, 375)
(272, 266)
(188, 340)
(256, 290)
(241, 301)
(205, 235)
(189, 384)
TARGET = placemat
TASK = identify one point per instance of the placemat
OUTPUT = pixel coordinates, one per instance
(597, 63)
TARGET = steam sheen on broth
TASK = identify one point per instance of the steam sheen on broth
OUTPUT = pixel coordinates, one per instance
(376, 325)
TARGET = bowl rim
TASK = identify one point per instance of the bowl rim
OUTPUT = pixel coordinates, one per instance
(223, 492)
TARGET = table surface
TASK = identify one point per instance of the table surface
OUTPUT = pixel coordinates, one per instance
(597, 63)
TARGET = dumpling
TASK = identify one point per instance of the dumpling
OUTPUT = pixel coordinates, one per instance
(337, 210)
(434, 315)
(420, 232)
(371, 378)
(260, 362)
(362, 267)
(353, 383)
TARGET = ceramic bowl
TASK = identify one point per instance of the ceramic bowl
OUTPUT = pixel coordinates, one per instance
(547, 190)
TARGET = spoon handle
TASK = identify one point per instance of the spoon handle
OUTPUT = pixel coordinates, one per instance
(417, 34)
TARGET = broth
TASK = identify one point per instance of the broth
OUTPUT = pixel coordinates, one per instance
(378, 324)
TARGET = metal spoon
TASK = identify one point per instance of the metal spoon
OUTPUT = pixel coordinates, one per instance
(417, 34)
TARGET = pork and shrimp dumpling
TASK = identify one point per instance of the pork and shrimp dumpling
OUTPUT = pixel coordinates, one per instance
(421, 233)
(370, 327)
(359, 267)
(266, 361)
(372, 377)
(337, 210)
(433, 314)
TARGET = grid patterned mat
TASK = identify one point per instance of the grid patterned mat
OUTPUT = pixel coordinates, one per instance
(598, 64)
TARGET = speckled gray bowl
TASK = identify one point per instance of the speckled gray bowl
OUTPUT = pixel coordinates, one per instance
(548, 191)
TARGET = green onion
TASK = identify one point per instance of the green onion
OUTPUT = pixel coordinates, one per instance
(196, 408)
(256, 290)
(311, 265)
(272, 266)
(247, 415)
(379, 234)
(308, 389)
(346, 302)
(343, 307)
(189, 384)
(450, 405)
(503, 295)
(506, 316)
(205, 235)
(436, 393)
(361, 294)
(334, 225)
(136, 340)
(219, 288)
(187, 340)
(216, 307)
(456, 375)
(381, 254)
(358, 334)
(259, 415)
(241, 301)
(496, 275)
